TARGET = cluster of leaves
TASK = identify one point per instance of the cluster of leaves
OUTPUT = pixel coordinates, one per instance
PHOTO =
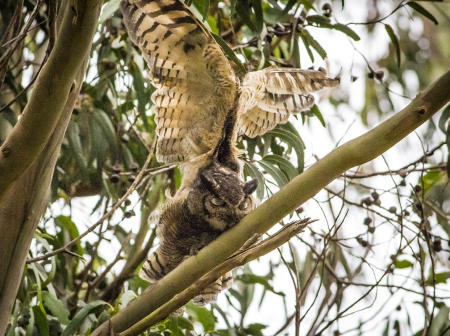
(112, 128)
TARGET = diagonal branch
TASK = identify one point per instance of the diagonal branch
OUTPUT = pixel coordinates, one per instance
(355, 152)
(234, 261)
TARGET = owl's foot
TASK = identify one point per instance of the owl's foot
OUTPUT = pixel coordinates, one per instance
(177, 313)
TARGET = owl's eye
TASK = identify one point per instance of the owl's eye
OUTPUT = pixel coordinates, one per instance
(245, 204)
(217, 201)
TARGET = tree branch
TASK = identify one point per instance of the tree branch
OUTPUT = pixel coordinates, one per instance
(53, 85)
(290, 197)
(234, 261)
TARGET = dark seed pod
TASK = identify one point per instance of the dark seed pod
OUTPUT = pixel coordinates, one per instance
(379, 74)
(403, 173)
(131, 178)
(417, 188)
(114, 178)
(392, 209)
(326, 6)
(134, 167)
(366, 201)
(402, 183)
(371, 229)
(367, 220)
(375, 195)
(129, 214)
(371, 75)
(437, 245)
(116, 168)
(127, 202)
(353, 78)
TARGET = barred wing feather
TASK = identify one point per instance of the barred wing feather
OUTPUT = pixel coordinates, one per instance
(270, 96)
(195, 83)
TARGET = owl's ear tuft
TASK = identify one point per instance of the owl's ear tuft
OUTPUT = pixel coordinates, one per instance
(250, 186)
(209, 180)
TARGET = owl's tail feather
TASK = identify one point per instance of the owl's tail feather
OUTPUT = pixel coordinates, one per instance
(155, 267)
(209, 294)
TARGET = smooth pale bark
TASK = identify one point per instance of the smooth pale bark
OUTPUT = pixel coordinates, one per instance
(25, 181)
(30, 135)
(355, 152)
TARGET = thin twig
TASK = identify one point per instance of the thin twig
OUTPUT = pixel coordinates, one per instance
(104, 217)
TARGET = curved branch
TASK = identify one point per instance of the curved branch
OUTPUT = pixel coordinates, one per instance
(355, 152)
(51, 90)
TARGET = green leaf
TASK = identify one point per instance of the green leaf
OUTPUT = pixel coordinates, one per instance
(295, 141)
(229, 52)
(69, 225)
(243, 11)
(320, 20)
(314, 44)
(249, 278)
(346, 30)
(445, 116)
(307, 45)
(286, 167)
(386, 329)
(203, 7)
(275, 172)
(203, 315)
(251, 170)
(431, 178)
(108, 10)
(315, 110)
(440, 322)
(438, 277)
(255, 329)
(296, 52)
(73, 135)
(108, 130)
(40, 318)
(288, 7)
(256, 4)
(141, 93)
(56, 307)
(394, 41)
(403, 264)
(423, 11)
(79, 317)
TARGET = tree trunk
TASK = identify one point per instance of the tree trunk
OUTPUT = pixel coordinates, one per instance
(27, 163)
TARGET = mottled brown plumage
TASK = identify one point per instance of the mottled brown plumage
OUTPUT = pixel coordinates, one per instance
(200, 109)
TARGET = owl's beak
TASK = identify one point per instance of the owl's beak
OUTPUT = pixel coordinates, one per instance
(250, 186)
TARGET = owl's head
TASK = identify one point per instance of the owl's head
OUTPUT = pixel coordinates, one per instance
(220, 197)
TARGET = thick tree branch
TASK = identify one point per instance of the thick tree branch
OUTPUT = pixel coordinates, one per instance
(291, 196)
(51, 90)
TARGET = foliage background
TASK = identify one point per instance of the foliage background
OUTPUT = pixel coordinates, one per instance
(391, 249)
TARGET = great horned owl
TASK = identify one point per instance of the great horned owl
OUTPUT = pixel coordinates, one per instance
(200, 110)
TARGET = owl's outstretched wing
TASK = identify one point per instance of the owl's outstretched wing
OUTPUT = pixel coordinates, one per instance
(196, 86)
(269, 96)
